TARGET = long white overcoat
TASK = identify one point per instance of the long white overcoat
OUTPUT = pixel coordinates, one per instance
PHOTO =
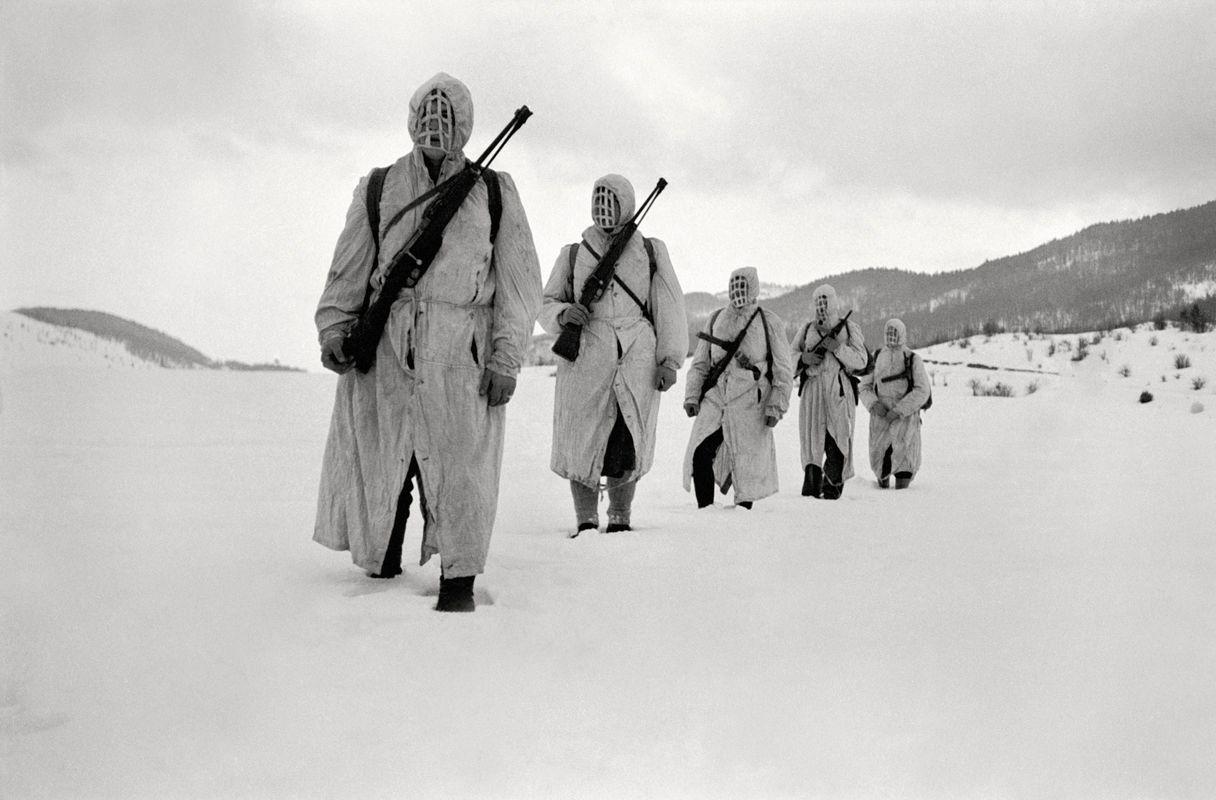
(740, 400)
(619, 350)
(903, 435)
(474, 309)
(827, 402)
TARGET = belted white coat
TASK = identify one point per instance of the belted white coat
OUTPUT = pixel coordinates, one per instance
(473, 309)
(827, 404)
(619, 350)
(903, 435)
(742, 398)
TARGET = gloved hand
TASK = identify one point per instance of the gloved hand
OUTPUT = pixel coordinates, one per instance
(692, 408)
(770, 421)
(743, 361)
(332, 357)
(830, 344)
(496, 386)
(892, 415)
(664, 378)
(812, 358)
(879, 409)
(574, 314)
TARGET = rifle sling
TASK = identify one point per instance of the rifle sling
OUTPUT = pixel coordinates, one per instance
(419, 200)
(716, 369)
(615, 277)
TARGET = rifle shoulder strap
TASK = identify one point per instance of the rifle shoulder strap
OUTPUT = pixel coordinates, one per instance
(653, 268)
(768, 346)
(494, 197)
(371, 203)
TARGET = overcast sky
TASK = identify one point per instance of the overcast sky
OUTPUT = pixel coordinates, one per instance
(188, 165)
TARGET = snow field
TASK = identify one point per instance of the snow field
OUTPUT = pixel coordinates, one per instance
(1034, 617)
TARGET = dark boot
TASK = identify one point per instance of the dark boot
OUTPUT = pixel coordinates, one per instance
(812, 482)
(456, 594)
(884, 481)
(618, 527)
(832, 491)
(902, 479)
(745, 504)
(584, 526)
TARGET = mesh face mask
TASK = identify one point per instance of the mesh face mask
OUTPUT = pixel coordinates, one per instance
(893, 338)
(737, 291)
(821, 308)
(437, 121)
(605, 208)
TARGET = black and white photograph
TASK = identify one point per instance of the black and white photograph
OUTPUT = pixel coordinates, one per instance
(723, 399)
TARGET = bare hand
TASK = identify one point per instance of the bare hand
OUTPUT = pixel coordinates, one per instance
(497, 387)
(332, 357)
(770, 421)
(830, 343)
(575, 314)
(664, 378)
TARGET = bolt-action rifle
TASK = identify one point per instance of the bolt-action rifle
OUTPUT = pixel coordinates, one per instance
(414, 258)
(568, 341)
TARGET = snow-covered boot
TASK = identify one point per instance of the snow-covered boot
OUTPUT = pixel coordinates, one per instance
(456, 594)
(812, 482)
(902, 479)
(617, 525)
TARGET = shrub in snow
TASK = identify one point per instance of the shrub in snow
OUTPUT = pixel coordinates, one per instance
(1182, 361)
(1082, 350)
(1198, 382)
(1146, 397)
(1125, 370)
(1196, 407)
(1152, 341)
(1097, 338)
(1032, 387)
(998, 389)
(1051, 348)
(1159, 320)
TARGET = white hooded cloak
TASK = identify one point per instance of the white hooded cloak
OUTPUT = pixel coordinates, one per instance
(619, 350)
(473, 309)
(903, 435)
(827, 402)
(739, 401)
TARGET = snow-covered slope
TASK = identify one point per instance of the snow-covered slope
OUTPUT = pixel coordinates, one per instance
(29, 344)
(1034, 617)
(1171, 363)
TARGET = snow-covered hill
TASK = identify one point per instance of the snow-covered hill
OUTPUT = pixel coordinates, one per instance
(29, 344)
(1034, 617)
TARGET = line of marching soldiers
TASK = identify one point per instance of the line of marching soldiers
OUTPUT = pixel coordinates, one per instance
(425, 419)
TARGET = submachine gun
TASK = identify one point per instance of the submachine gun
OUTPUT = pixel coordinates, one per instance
(568, 342)
(414, 258)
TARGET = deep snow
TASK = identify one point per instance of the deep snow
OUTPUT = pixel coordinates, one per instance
(1035, 617)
